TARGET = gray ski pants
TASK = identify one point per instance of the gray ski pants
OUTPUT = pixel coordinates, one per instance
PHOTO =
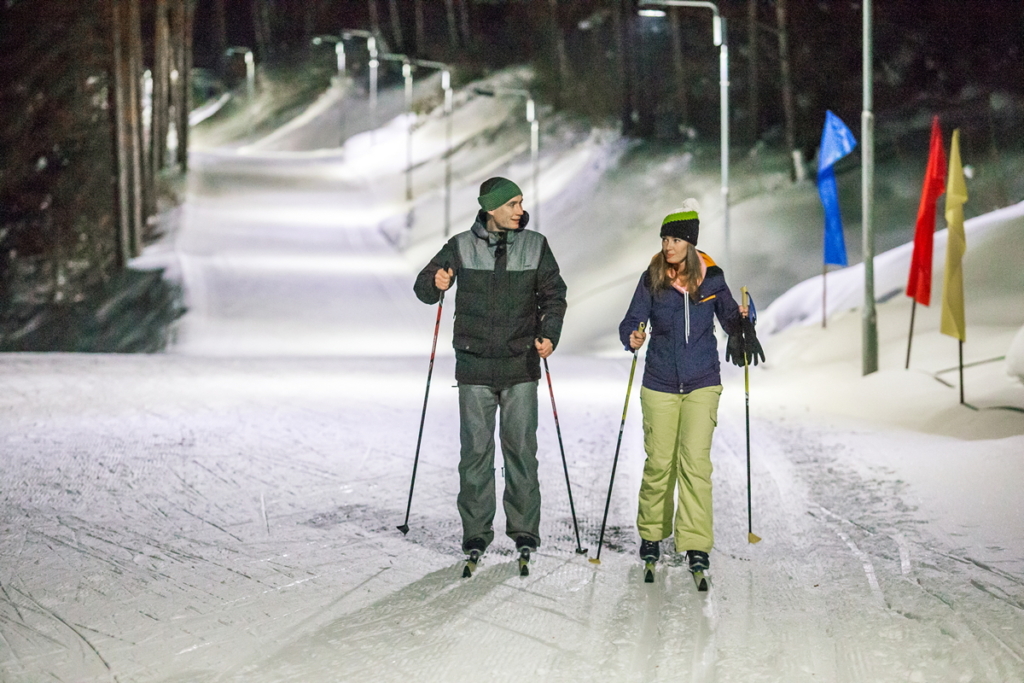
(518, 431)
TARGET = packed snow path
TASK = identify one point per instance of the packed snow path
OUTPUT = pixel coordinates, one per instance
(168, 518)
(227, 513)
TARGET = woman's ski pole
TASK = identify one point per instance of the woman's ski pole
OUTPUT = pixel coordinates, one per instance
(558, 430)
(615, 462)
(404, 528)
(751, 536)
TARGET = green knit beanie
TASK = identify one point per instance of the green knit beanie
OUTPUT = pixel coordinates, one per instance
(496, 191)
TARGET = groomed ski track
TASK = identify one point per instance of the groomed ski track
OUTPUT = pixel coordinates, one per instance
(211, 520)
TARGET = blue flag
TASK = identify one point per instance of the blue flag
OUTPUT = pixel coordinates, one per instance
(836, 142)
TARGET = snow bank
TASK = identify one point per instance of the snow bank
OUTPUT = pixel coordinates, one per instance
(801, 305)
(1015, 356)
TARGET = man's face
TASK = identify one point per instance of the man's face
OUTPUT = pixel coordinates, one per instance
(506, 216)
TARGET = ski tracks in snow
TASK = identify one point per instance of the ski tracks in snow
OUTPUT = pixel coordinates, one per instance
(902, 606)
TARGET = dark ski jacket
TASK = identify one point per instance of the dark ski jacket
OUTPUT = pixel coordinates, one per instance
(505, 299)
(679, 362)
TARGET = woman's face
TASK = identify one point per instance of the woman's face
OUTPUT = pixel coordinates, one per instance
(674, 249)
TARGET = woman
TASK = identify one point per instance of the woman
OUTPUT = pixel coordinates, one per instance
(680, 294)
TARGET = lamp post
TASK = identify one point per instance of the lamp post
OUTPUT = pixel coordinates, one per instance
(374, 63)
(531, 118)
(339, 50)
(718, 32)
(250, 78)
(446, 85)
(407, 75)
(869, 322)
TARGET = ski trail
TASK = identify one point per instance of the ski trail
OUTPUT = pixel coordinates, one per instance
(704, 650)
(649, 641)
(869, 568)
(904, 549)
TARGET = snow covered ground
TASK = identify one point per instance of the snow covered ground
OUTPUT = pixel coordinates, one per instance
(227, 511)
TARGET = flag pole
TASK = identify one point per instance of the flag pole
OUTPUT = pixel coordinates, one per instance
(961, 342)
(910, 337)
(824, 291)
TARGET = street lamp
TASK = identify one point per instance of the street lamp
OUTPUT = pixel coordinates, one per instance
(250, 79)
(407, 75)
(718, 29)
(339, 50)
(371, 47)
(446, 85)
(531, 118)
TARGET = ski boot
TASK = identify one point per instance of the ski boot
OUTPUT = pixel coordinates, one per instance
(525, 545)
(699, 564)
(474, 549)
(650, 551)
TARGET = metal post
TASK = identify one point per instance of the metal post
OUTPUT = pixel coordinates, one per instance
(446, 83)
(339, 52)
(534, 121)
(531, 116)
(718, 28)
(723, 66)
(250, 81)
(407, 74)
(446, 86)
(250, 87)
(869, 327)
(371, 45)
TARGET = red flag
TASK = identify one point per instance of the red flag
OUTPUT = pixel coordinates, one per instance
(919, 284)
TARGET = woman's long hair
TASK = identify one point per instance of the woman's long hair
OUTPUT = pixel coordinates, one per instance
(688, 272)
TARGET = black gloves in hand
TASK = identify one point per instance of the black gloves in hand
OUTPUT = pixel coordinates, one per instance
(734, 349)
(743, 348)
(751, 347)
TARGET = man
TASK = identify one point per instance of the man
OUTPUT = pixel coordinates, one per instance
(508, 315)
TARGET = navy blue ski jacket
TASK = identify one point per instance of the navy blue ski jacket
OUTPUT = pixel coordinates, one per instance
(681, 357)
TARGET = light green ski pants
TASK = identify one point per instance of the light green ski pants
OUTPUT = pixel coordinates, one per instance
(677, 437)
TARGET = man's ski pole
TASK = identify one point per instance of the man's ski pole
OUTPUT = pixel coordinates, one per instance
(751, 536)
(558, 430)
(404, 528)
(615, 461)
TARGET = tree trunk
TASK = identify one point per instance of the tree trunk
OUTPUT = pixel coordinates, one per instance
(177, 70)
(753, 105)
(565, 84)
(119, 107)
(421, 37)
(220, 29)
(453, 28)
(787, 89)
(682, 101)
(464, 16)
(374, 17)
(396, 26)
(139, 190)
(186, 82)
(161, 87)
(309, 20)
(620, 61)
(261, 28)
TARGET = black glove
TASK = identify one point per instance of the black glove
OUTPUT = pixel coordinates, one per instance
(751, 347)
(734, 349)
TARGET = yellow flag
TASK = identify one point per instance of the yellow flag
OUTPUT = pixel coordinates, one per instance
(953, 322)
